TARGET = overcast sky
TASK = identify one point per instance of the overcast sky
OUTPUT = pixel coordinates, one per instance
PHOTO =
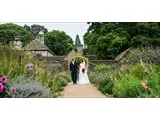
(71, 29)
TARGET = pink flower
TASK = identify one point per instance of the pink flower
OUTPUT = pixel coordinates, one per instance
(1, 87)
(3, 79)
(122, 67)
(13, 90)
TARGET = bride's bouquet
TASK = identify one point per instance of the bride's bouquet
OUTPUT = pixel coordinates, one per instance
(83, 70)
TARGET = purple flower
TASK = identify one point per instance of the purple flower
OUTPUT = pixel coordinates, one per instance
(1, 87)
(13, 90)
(3, 79)
(30, 66)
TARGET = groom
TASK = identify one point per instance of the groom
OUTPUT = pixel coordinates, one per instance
(74, 71)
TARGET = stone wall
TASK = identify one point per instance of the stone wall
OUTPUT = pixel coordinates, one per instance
(65, 62)
(93, 63)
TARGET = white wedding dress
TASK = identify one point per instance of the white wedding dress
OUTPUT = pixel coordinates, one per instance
(83, 77)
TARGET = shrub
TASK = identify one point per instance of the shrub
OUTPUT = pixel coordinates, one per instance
(127, 81)
(154, 84)
(102, 81)
(66, 76)
(13, 65)
(128, 87)
(31, 90)
(60, 80)
(95, 77)
(13, 61)
(142, 71)
(137, 70)
(106, 86)
(55, 67)
(100, 68)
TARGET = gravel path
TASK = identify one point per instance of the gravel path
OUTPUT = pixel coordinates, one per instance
(81, 91)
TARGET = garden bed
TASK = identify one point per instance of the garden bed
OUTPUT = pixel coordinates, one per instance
(138, 79)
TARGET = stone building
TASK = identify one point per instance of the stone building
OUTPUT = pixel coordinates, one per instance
(16, 42)
(37, 46)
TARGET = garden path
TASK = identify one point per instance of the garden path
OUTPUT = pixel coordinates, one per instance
(81, 91)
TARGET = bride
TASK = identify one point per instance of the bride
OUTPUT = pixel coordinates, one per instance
(83, 77)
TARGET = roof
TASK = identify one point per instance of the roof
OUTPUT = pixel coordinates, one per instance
(36, 45)
(122, 54)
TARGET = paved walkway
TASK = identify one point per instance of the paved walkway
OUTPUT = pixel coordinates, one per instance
(81, 91)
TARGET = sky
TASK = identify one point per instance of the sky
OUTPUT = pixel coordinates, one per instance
(71, 29)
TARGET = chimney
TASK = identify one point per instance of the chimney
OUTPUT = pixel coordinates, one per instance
(41, 37)
(17, 42)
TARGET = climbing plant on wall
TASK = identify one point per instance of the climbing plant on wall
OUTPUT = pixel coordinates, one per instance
(81, 58)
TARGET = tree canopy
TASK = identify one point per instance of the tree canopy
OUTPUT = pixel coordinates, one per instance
(108, 39)
(59, 42)
(9, 31)
(35, 29)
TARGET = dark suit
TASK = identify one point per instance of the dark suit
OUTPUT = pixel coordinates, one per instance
(74, 71)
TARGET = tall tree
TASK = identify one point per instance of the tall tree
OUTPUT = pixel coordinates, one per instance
(59, 42)
(109, 39)
(35, 29)
(77, 41)
(9, 31)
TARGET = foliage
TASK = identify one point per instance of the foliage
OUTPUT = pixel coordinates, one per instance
(9, 31)
(35, 29)
(60, 80)
(154, 84)
(13, 61)
(148, 55)
(55, 67)
(102, 81)
(129, 80)
(101, 68)
(133, 76)
(108, 39)
(138, 71)
(79, 59)
(66, 76)
(59, 42)
(106, 85)
(31, 90)
(95, 77)
(128, 87)
(106, 44)
(19, 75)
